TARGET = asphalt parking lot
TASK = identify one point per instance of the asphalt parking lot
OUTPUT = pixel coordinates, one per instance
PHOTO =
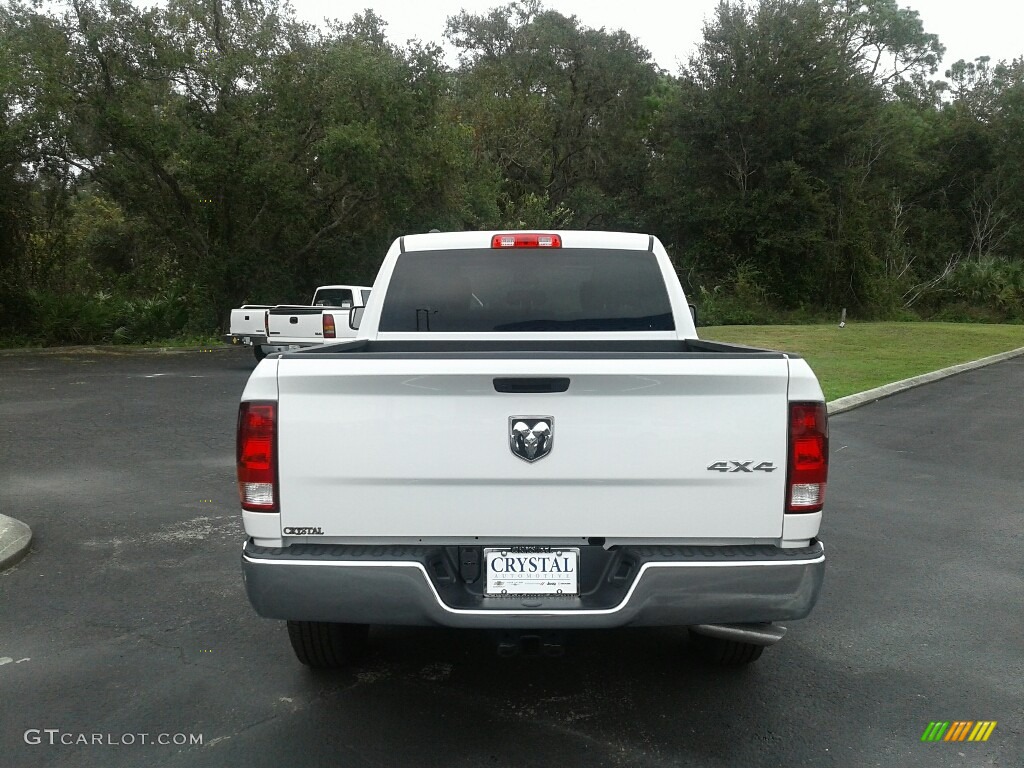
(128, 617)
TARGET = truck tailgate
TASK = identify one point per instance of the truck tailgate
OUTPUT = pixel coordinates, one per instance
(413, 448)
(248, 321)
(304, 323)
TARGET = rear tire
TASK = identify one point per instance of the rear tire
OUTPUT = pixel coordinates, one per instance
(323, 645)
(726, 653)
(258, 351)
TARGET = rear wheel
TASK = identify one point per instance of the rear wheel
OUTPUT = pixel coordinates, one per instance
(323, 645)
(726, 653)
(258, 351)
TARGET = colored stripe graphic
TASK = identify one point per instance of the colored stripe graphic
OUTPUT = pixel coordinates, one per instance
(982, 730)
(953, 729)
(959, 730)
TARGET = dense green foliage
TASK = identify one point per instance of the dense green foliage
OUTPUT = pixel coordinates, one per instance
(159, 166)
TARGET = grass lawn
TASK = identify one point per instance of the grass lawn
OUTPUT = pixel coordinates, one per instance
(866, 355)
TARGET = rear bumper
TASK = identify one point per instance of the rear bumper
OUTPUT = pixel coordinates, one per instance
(639, 586)
(276, 344)
(247, 339)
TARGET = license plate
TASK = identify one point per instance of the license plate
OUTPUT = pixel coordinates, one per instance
(531, 571)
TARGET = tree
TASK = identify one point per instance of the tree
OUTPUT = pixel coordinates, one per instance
(559, 108)
(886, 41)
(261, 154)
(770, 119)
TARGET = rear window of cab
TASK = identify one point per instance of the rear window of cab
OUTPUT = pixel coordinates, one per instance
(485, 290)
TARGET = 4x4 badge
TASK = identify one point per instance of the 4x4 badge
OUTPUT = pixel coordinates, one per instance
(530, 437)
(741, 466)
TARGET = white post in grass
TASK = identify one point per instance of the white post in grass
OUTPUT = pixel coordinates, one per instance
(842, 319)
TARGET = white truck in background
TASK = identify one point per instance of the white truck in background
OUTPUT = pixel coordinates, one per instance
(543, 444)
(252, 325)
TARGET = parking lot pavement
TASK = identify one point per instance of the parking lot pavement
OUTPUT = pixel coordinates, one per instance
(127, 624)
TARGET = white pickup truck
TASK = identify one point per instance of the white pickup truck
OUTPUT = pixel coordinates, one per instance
(269, 328)
(542, 443)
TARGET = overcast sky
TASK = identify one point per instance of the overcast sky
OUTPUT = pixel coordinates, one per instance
(670, 29)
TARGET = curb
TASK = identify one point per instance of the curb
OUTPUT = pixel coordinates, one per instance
(15, 538)
(848, 403)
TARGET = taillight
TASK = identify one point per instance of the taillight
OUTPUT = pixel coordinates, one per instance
(526, 240)
(256, 455)
(808, 457)
(266, 324)
(329, 331)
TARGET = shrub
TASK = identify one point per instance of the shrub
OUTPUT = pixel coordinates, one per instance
(36, 317)
(987, 289)
(740, 299)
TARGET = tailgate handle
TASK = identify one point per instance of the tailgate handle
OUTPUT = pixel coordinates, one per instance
(520, 386)
(293, 320)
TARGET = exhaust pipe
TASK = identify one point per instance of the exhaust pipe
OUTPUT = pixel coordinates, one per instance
(755, 634)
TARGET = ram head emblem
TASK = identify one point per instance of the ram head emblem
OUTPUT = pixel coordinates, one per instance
(530, 437)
